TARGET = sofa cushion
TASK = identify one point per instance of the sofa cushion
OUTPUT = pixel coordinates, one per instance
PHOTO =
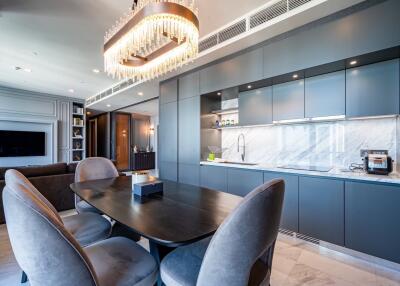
(72, 167)
(37, 171)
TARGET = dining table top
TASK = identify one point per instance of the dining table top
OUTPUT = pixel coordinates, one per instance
(182, 214)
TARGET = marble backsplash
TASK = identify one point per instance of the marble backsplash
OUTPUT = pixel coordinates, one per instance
(335, 144)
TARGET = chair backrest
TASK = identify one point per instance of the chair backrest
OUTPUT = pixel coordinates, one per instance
(44, 249)
(95, 168)
(17, 177)
(244, 237)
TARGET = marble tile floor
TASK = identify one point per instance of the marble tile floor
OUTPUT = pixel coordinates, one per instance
(295, 263)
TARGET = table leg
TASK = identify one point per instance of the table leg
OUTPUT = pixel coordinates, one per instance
(159, 252)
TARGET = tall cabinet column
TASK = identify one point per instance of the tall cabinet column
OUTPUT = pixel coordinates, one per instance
(168, 130)
(189, 129)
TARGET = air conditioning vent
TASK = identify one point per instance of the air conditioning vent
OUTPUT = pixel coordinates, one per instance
(232, 31)
(208, 43)
(286, 232)
(296, 3)
(269, 13)
(308, 239)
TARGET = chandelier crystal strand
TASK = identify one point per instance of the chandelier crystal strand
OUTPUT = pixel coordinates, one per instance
(157, 42)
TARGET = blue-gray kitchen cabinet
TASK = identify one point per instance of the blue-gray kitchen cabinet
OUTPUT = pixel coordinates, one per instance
(189, 174)
(290, 212)
(372, 215)
(214, 177)
(168, 131)
(255, 107)
(288, 100)
(189, 140)
(241, 69)
(242, 182)
(325, 95)
(373, 90)
(189, 85)
(321, 209)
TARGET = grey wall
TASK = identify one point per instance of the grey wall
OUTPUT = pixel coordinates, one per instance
(25, 110)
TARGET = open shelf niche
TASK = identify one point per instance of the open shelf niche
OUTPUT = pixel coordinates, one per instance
(78, 132)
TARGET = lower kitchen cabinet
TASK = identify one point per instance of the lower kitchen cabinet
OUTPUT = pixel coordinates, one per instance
(169, 171)
(321, 209)
(189, 174)
(214, 177)
(372, 219)
(290, 212)
(242, 182)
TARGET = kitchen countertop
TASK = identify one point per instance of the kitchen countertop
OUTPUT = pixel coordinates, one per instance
(393, 178)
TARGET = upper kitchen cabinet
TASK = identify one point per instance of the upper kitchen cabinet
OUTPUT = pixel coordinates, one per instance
(255, 107)
(189, 86)
(288, 100)
(325, 95)
(373, 90)
(168, 91)
(242, 69)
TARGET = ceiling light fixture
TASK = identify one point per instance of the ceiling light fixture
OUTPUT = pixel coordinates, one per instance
(353, 63)
(27, 70)
(140, 93)
(295, 76)
(219, 93)
(249, 86)
(108, 105)
(153, 38)
(71, 90)
(96, 70)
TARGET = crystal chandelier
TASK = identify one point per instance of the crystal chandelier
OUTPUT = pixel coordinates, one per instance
(155, 37)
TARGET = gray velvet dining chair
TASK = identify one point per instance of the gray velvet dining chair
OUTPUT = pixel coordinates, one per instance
(87, 228)
(94, 168)
(50, 255)
(240, 252)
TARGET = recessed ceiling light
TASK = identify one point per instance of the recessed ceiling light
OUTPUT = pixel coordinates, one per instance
(71, 90)
(95, 70)
(353, 63)
(140, 93)
(27, 70)
(249, 86)
(108, 105)
(295, 75)
(88, 113)
(218, 93)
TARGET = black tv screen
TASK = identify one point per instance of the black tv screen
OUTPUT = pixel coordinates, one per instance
(22, 143)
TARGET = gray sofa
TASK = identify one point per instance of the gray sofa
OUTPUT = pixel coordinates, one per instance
(51, 180)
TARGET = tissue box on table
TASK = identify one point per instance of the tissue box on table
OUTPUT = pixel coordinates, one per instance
(148, 188)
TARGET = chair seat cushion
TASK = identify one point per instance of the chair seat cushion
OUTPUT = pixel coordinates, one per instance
(87, 228)
(119, 261)
(181, 267)
(83, 207)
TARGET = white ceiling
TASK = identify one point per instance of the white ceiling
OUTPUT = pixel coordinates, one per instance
(61, 40)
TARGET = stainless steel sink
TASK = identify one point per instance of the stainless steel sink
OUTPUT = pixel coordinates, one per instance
(240, 163)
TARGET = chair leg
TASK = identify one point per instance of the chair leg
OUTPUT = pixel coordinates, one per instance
(24, 278)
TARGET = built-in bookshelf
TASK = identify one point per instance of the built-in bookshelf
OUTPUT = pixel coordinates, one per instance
(78, 132)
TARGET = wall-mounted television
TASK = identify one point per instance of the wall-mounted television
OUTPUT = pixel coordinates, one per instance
(22, 143)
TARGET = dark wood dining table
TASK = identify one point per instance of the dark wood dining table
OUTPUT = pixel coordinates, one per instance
(182, 214)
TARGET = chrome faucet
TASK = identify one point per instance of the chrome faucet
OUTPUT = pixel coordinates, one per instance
(243, 146)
